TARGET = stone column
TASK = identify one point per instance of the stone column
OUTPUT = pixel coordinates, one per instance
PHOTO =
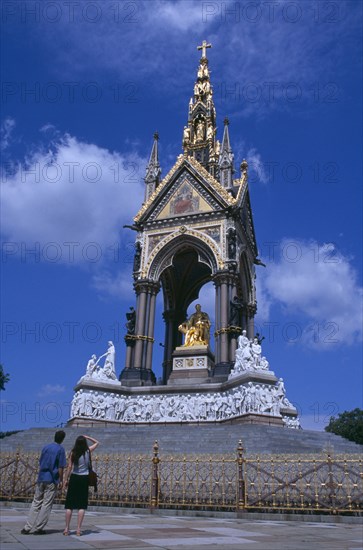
(153, 290)
(222, 281)
(130, 342)
(233, 334)
(244, 317)
(129, 348)
(224, 320)
(217, 346)
(251, 312)
(141, 290)
(138, 369)
(168, 316)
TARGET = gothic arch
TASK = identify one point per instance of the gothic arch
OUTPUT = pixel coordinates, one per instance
(203, 245)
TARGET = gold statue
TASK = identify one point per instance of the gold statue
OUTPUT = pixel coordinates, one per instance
(196, 329)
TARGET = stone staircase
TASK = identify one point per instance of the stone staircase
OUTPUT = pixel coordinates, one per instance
(188, 439)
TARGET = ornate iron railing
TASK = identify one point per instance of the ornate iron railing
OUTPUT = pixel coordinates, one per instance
(315, 483)
(321, 483)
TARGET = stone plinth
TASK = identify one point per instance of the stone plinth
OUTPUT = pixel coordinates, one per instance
(191, 365)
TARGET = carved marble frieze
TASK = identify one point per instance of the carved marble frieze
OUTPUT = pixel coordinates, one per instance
(249, 398)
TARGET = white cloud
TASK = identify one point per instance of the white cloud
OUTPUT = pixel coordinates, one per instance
(50, 389)
(118, 286)
(317, 283)
(264, 301)
(6, 130)
(48, 128)
(256, 169)
(176, 15)
(72, 192)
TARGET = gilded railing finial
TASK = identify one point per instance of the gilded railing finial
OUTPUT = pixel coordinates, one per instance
(155, 477)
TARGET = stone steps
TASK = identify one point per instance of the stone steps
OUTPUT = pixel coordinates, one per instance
(185, 439)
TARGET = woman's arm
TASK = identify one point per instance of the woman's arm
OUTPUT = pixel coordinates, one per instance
(94, 441)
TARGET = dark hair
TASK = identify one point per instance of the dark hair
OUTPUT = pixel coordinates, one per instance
(79, 449)
(59, 436)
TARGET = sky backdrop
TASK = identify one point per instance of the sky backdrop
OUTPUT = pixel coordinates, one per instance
(84, 87)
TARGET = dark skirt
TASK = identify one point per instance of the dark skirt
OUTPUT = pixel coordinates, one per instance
(77, 494)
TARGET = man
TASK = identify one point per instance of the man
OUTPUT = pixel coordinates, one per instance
(51, 465)
(196, 329)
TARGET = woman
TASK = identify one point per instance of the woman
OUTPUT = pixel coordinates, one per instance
(76, 480)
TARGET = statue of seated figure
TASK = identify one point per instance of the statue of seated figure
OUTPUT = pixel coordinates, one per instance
(196, 328)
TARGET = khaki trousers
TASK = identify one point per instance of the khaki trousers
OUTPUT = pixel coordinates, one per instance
(41, 506)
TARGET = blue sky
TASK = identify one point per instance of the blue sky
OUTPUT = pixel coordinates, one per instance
(85, 85)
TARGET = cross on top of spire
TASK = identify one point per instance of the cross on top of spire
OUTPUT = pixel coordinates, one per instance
(204, 47)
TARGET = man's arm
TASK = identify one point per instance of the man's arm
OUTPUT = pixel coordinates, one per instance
(62, 463)
(41, 456)
(60, 472)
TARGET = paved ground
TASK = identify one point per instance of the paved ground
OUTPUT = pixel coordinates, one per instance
(112, 530)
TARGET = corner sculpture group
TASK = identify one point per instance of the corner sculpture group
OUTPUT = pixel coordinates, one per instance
(106, 373)
(248, 356)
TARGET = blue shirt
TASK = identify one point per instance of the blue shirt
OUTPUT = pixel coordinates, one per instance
(51, 459)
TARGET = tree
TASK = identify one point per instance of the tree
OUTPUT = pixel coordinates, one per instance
(349, 424)
(4, 378)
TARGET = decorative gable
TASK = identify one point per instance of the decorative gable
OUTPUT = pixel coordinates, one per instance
(188, 189)
(185, 200)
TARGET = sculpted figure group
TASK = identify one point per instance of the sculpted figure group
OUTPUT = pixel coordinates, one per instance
(249, 398)
(107, 373)
(249, 356)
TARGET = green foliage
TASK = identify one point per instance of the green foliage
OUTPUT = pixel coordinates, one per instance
(4, 378)
(348, 424)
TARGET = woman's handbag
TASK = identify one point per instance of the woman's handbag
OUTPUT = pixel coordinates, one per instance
(92, 476)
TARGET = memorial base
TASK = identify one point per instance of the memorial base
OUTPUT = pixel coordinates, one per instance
(191, 365)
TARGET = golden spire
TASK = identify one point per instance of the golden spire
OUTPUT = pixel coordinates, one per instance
(199, 135)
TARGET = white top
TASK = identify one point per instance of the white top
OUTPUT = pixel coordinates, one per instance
(82, 468)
